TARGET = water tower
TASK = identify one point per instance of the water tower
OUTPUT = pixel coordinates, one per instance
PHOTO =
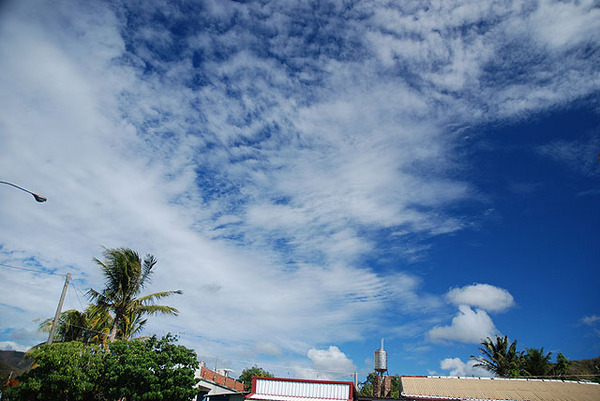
(382, 386)
(381, 360)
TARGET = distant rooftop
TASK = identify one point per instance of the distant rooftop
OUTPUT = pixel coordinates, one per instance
(277, 389)
(468, 388)
(221, 380)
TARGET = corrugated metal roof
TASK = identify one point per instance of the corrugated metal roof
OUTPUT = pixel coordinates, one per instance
(300, 390)
(453, 388)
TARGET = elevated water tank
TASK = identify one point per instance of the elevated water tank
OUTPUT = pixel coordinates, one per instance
(381, 359)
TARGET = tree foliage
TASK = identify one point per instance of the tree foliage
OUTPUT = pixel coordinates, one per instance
(561, 367)
(151, 369)
(126, 275)
(368, 387)
(67, 371)
(536, 363)
(499, 357)
(502, 358)
(248, 373)
(90, 326)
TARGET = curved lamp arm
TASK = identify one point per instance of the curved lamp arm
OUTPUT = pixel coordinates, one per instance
(37, 197)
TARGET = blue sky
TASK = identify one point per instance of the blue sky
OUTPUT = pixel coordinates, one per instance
(315, 176)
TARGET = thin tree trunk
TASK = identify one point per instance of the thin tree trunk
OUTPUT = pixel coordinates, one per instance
(113, 331)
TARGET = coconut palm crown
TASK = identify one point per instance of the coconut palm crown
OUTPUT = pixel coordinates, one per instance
(500, 357)
(126, 275)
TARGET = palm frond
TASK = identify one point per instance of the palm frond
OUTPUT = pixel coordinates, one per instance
(158, 295)
(158, 309)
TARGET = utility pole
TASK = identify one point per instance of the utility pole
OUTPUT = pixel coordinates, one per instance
(57, 315)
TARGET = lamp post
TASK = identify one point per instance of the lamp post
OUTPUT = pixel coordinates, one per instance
(37, 197)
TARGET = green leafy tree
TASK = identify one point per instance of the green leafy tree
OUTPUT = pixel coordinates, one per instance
(67, 371)
(367, 387)
(499, 357)
(151, 369)
(126, 275)
(248, 373)
(536, 363)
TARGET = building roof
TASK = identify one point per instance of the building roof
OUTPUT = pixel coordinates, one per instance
(454, 388)
(277, 389)
(217, 383)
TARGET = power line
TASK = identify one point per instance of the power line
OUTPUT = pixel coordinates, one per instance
(77, 291)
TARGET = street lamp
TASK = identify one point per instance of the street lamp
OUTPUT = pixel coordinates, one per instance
(37, 197)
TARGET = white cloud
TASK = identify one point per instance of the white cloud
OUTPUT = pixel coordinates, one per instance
(482, 296)
(461, 369)
(13, 346)
(328, 363)
(590, 320)
(563, 24)
(468, 326)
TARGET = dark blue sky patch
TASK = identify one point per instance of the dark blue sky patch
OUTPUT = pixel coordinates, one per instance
(281, 200)
(254, 141)
(214, 185)
(198, 58)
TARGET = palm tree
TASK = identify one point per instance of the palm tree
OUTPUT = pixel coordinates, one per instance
(100, 323)
(72, 325)
(535, 363)
(126, 275)
(499, 357)
(90, 326)
(561, 367)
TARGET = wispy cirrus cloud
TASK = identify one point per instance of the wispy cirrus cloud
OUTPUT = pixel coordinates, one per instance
(593, 321)
(590, 320)
(581, 156)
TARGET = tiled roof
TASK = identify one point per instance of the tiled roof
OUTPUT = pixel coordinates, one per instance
(217, 378)
(453, 388)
